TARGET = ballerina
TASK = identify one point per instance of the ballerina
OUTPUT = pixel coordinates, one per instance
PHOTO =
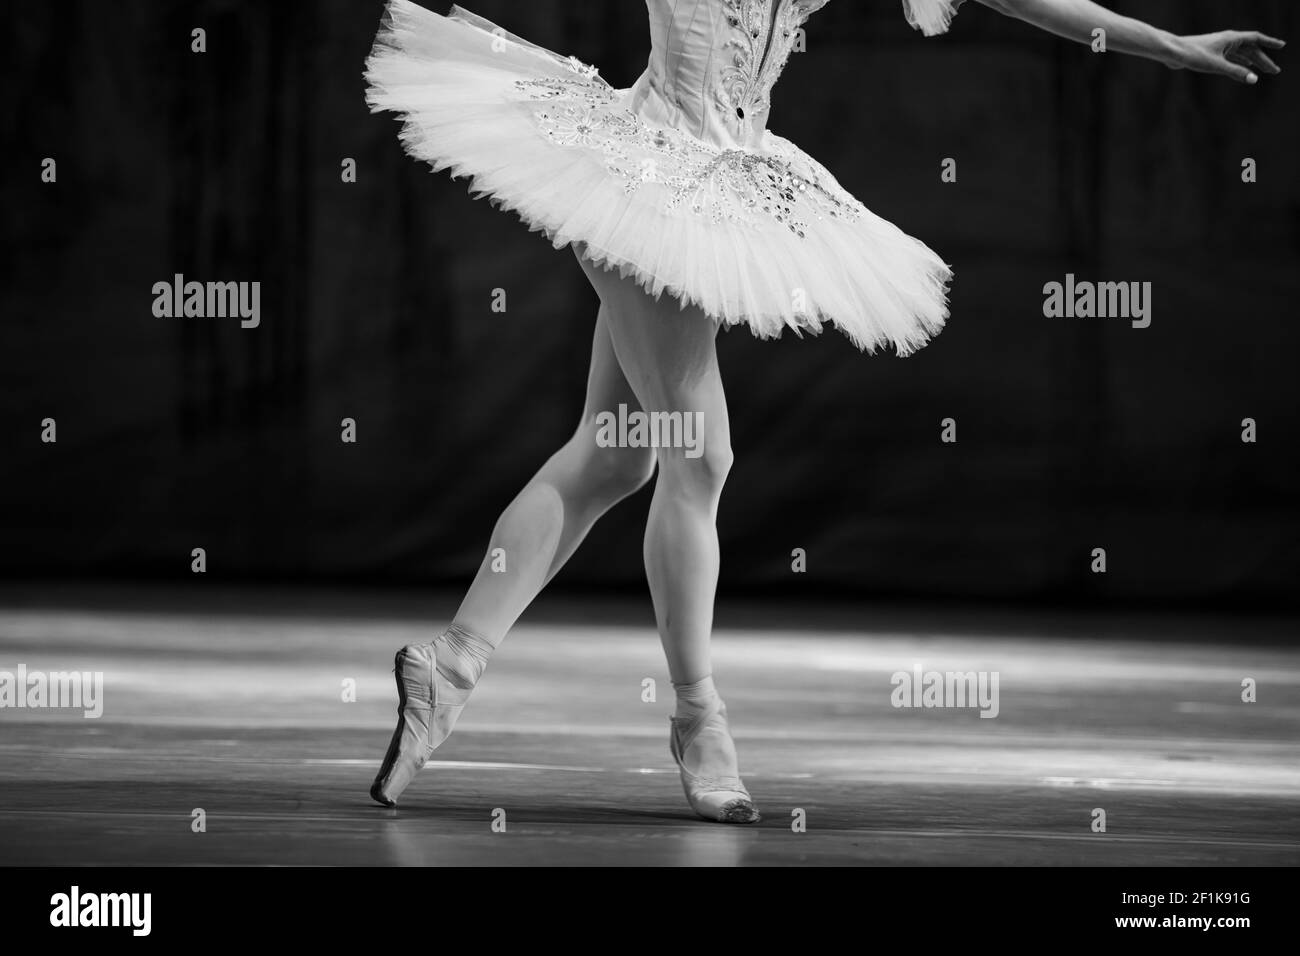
(686, 214)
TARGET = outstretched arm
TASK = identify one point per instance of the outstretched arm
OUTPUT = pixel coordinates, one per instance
(1234, 53)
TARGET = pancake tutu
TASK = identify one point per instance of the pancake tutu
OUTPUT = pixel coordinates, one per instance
(731, 218)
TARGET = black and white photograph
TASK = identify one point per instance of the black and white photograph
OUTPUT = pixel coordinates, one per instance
(650, 434)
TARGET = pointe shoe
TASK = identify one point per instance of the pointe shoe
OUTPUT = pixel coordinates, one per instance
(427, 709)
(717, 793)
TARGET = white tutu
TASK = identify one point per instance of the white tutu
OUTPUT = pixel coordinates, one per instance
(679, 186)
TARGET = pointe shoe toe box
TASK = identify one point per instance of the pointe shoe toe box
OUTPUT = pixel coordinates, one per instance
(739, 810)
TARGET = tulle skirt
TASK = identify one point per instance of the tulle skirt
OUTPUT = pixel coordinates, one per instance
(760, 235)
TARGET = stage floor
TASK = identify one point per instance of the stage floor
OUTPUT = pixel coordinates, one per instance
(232, 703)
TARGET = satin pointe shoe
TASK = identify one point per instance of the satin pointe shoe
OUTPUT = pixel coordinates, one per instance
(715, 790)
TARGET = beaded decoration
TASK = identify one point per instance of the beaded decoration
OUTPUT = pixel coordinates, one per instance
(761, 39)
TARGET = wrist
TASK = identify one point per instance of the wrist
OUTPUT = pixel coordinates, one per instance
(1171, 50)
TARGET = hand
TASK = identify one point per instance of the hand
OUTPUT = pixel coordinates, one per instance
(1234, 53)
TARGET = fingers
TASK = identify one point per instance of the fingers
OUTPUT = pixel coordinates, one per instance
(1240, 54)
(1232, 62)
(1263, 39)
(1261, 60)
(1254, 49)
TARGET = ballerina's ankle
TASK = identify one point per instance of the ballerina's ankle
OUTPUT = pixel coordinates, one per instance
(694, 697)
(462, 656)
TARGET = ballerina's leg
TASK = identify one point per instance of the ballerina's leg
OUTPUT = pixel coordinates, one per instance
(544, 524)
(669, 359)
(536, 534)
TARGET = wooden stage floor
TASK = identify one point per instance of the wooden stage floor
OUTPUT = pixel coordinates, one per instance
(233, 703)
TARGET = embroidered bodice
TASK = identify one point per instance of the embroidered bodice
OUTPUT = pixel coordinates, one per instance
(713, 64)
(695, 122)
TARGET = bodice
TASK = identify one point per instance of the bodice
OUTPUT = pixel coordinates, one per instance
(713, 64)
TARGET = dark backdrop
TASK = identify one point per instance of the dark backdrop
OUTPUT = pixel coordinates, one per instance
(1073, 433)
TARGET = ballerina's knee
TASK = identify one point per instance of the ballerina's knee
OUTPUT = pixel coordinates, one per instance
(701, 476)
(693, 459)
